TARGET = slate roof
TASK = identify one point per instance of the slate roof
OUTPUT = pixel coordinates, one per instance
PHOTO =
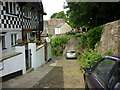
(59, 25)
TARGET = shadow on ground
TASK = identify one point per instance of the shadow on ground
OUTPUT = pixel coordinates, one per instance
(54, 79)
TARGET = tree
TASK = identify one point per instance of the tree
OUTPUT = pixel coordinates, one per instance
(59, 15)
(92, 14)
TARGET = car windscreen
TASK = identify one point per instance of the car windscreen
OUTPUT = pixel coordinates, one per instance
(71, 52)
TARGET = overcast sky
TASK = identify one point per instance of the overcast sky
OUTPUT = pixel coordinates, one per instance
(52, 6)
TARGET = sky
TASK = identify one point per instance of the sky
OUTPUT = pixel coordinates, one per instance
(52, 6)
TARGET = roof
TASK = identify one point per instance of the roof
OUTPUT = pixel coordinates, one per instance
(55, 22)
(60, 25)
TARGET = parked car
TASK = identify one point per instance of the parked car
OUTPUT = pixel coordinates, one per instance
(105, 74)
(71, 54)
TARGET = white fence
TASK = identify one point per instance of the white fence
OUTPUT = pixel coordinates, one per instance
(13, 63)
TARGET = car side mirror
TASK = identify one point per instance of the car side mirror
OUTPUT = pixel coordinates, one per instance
(87, 68)
(117, 86)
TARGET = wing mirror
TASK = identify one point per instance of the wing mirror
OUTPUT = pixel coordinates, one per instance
(117, 86)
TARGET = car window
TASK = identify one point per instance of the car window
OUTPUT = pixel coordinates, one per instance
(115, 78)
(71, 51)
(102, 69)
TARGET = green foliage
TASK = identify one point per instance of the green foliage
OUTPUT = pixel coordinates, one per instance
(78, 35)
(89, 57)
(92, 14)
(49, 35)
(82, 41)
(70, 33)
(59, 15)
(58, 44)
(90, 39)
(94, 36)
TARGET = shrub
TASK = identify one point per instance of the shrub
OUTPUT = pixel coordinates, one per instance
(82, 41)
(70, 33)
(78, 35)
(90, 57)
(58, 44)
(94, 35)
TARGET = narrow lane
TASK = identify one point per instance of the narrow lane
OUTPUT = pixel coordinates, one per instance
(65, 74)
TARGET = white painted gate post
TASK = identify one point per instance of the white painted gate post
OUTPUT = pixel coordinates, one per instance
(32, 46)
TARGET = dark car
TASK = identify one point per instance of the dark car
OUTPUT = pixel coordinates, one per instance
(105, 74)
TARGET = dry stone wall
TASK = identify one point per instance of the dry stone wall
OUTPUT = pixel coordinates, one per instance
(110, 39)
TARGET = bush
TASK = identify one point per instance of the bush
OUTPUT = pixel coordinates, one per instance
(94, 36)
(70, 33)
(58, 44)
(82, 41)
(90, 39)
(90, 57)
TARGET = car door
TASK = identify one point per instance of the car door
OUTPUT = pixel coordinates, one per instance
(98, 76)
(115, 79)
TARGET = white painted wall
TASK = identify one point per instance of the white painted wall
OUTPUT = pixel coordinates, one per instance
(40, 54)
(32, 46)
(65, 28)
(14, 64)
(10, 49)
(49, 51)
(23, 61)
(57, 31)
(0, 47)
(37, 57)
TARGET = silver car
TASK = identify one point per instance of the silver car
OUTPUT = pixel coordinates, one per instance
(71, 54)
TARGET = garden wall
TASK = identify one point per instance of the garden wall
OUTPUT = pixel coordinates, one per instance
(110, 39)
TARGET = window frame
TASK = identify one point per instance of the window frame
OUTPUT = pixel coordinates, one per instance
(14, 39)
(3, 40)
(11, 8)
(26, 12)
(112, 75)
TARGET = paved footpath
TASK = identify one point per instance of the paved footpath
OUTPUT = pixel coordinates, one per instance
(57, 73)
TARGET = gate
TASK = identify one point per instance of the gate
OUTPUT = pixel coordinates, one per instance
(28, 58)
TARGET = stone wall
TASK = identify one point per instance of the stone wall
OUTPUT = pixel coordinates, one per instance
(110, 39)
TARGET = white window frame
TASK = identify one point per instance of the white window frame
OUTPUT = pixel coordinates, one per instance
(13, 8)
(3, 43)
(28, 36)
(14, 39)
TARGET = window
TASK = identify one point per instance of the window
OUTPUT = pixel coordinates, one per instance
(26, 12)
(115, 78)
(3, 43)
(28, 35)
(103, 68)
(11, 8)
(13, 39)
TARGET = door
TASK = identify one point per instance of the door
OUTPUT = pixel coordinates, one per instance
(98, 77)
(28, 58)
